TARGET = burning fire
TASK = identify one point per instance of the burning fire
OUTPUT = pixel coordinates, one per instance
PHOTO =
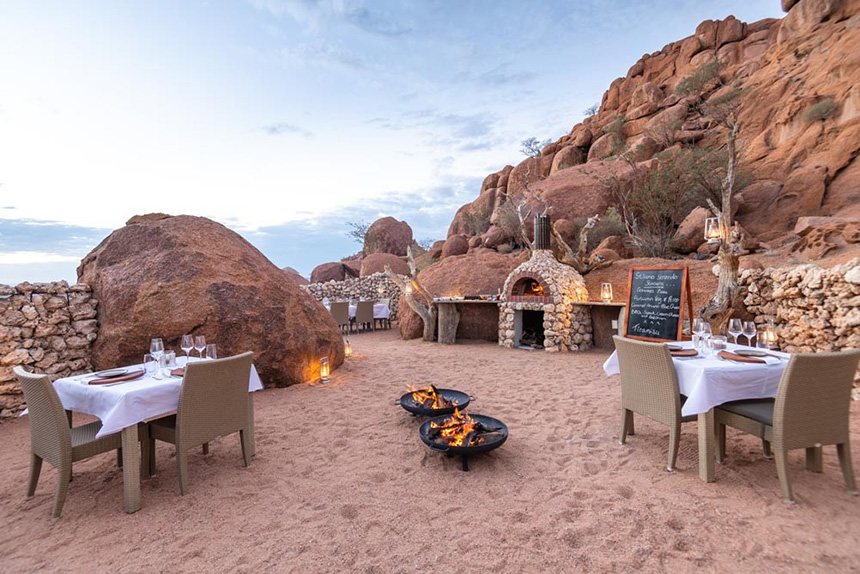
(429, 398)
(459, 430)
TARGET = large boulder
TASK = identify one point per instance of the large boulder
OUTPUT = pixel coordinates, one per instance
(455, 245)
(163, 276)
(387, 235)
(325, 272)
(481, 271)
(295, 276)
(691, 231)
(376, 262)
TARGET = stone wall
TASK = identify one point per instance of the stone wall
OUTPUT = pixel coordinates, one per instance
(358, 288)
(814, 309)
(47, 328)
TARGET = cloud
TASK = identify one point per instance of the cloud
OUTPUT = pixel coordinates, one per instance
(26, 257)
(281, 128)
(376, 23)
(312, 13)
(322, 51)
(497, 77)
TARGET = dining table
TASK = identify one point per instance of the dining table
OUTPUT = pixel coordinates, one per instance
(121, 406)
(707, 380)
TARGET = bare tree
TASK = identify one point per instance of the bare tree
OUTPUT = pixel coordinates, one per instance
(357, 230)
(532, 147)
(579, 259)
(417, 297)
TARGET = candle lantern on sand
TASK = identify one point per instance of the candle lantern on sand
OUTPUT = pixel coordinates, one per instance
(325, 370)
(606, 292)
(347, 349)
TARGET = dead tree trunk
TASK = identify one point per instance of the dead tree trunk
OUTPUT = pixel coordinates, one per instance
(579, 259)
(727, 298)
(411, 287)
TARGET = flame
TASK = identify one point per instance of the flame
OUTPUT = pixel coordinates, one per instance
(457, 428)
(420, 396)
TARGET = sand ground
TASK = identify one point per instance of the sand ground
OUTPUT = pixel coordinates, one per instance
(342, 483)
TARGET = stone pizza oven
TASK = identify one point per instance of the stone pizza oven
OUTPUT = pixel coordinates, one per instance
(536, 309)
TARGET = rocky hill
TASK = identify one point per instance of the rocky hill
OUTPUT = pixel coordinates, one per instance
(799, 133)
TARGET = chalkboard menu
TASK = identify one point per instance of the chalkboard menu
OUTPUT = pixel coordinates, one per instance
(655, 303)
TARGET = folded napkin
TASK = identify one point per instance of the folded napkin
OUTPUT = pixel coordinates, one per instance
(126, 377)
(684, 353)
(180, 372)
(728, 355)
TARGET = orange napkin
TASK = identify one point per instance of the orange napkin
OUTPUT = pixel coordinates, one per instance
(740, 358)
(684, 353)
(180, 372)
(126, 377)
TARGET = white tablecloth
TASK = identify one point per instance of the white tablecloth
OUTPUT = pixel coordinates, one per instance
(712, 381)
(380, 311)
(122, 405)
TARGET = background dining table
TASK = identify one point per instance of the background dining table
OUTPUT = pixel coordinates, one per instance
(121, 406)
(709, 381)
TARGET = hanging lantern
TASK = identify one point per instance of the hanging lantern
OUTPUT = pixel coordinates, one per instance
(347, 349)
(325, 370)
(606, 292)
(712, 230)
(408, 289)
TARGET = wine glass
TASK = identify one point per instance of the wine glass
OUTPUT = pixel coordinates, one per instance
(735, 329)
(211, 353)
(697, 332)
(704, 335)
(749, 331)
(156, 349)
(186, 345)
(199, 344)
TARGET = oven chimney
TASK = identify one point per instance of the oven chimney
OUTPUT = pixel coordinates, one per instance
(541, 232)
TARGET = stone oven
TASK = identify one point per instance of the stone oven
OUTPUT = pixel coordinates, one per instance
(536, 309)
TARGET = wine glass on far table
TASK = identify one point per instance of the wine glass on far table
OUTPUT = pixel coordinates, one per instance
(156, 349)
(735, 329)
(749, 331)
(186, 345)
(199, 344)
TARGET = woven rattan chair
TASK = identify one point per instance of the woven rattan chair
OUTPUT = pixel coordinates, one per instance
(364, 314)
(340, 312)
(810, 410)
(213, 402)
(384, 323)
(649, 386)
(52, 437)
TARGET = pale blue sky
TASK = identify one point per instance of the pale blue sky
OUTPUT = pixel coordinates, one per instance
(284, 119)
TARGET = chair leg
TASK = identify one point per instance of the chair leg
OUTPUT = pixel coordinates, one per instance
(182, 467)
(765, 447)
(145, 451)
(119, 457)
(151, 457)
(35, 471)
(814, 459)
(205, 448)
(626, 424)
(674, 439)
(245, 439)
(721, 443)
(64, 476)
(844, 452)
(781, 457)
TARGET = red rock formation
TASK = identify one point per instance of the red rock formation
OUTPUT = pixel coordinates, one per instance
(297, 277)
(163, 276)
(376, 262)
(387, 235)
(333, 271)
(479, 271)
(455, 245)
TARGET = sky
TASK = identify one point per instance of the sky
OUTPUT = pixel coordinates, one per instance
(287, 119)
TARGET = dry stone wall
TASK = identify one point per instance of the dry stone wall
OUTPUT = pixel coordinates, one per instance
(359, 288)
(47, 328)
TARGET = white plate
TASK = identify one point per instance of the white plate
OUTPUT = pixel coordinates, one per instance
(111, 373)
(675, 347)
(750, 353)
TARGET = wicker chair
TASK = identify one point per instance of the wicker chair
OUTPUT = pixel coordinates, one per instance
(810, 410)
(213, 402)
(340, 312)
(384, 323)
(649, 386)
(52, 437)
(364, 314)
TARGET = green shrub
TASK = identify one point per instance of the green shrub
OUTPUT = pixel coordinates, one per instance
(821, 111)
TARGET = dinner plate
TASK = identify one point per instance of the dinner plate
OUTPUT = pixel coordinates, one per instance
(675, 347)
(111, 373)
(750, 353)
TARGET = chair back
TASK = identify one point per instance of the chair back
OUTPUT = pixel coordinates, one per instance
(50, 435)
(364, 312)
(649, 382)
(213, 400)
(340, 312)
(386, 301)
(814, 398)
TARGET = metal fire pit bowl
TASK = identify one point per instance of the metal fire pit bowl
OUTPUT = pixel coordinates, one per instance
(462, 400)
(465, 451)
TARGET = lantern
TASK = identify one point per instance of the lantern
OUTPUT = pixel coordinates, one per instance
(347, 349)
(408, 289)
(713, 232)
(380, 290)
(325, 370)
(606, 292)
(770, 336)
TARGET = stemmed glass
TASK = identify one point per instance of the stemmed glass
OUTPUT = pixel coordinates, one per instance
(186, 345)
(199, 344)
(735, 329)
(156, 349)
(697, 330)
(749, 331)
